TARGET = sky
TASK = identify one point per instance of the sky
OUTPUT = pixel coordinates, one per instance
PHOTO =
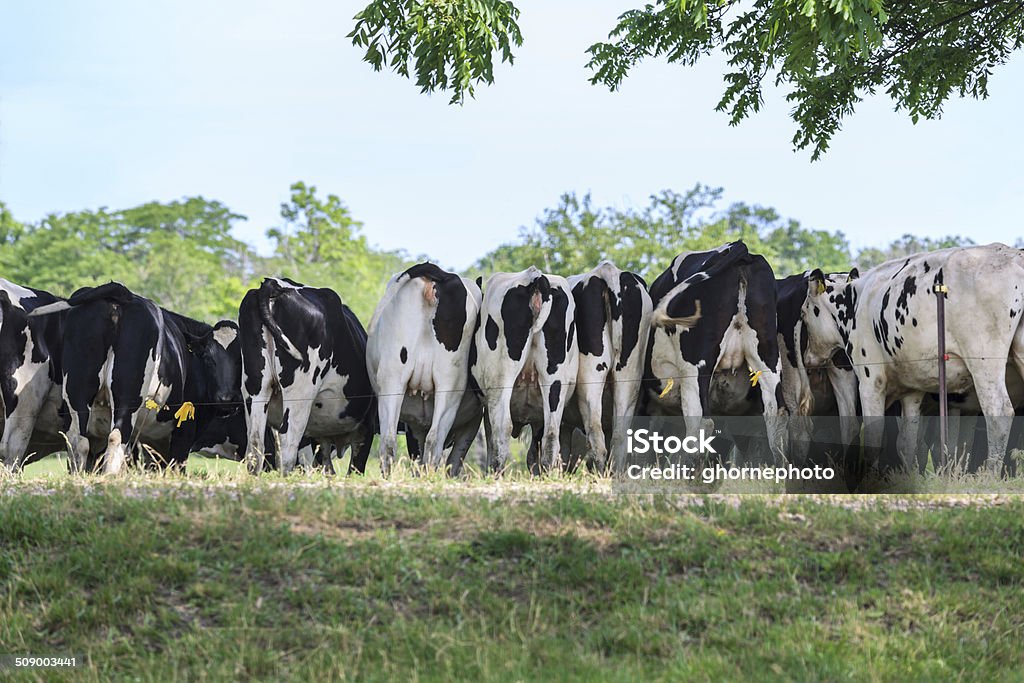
(115, 104)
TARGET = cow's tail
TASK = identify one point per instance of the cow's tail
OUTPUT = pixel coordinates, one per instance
(111, 291)
(609, 277)
(661, 318)
(55, 307)
(428, 271)
(539, 291)
(432, 274)
(266, 293)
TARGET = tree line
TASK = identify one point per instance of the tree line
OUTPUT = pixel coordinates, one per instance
(184, 255)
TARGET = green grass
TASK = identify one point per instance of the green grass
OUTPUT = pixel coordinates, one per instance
(185, 579)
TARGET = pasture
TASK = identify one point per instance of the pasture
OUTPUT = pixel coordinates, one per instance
(214, 575)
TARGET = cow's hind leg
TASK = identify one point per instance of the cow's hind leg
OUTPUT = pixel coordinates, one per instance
(872, 401)
(533, 450)
(768, 380)
(694, 398)
(127, 387)
(990, 382)
(908, 444)
(625, 393)
(19, 423)
(298, 406)
(360, 453)
(78, 456)
(80, 390)
(555, 396)
(590, 398)
(446, 408)
(116, 456)
(500, 433)
(389, 408)
(257, 410)
(464, 435)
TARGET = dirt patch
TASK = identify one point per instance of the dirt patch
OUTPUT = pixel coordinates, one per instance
(347, 531)
(600, 536)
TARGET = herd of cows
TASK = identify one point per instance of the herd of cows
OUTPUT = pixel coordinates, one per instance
(114, 379)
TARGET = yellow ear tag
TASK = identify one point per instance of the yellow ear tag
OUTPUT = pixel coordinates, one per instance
(755, 375)
(668, 387)
(187, 411)
(821, 286)
(151, 404)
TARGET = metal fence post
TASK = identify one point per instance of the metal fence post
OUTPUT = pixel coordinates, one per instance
(941, 291)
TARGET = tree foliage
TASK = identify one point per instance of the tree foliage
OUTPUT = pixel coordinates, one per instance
(825, 54)
(575, 236)
(184, 255)
(319, 243)
(907, 245)
(181, 254)
(448, 44)
(10, 229)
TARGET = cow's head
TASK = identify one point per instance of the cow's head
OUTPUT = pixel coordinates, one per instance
(827, 314)
(221, 356)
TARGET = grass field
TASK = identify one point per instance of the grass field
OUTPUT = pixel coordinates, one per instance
(196, 578)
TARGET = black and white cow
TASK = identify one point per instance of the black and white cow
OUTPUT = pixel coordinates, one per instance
(613, 321)
(304, 373)
(30, 375)
(418, 359)
(715, 331)
(136, 373)
(886, 322)
(828, 390)
(527, 360)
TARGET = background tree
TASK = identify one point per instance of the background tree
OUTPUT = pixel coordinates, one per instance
(63, 252)
(575, 236)
(184, 255)
(906, 246)
(10, 229)
(319, 243)
(181, 254)
(826, 54)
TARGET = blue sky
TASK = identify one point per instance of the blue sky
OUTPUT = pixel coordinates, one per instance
(117, 103)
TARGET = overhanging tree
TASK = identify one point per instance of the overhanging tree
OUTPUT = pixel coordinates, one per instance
(825, 54)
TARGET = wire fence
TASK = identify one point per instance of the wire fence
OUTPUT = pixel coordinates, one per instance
(675, 378)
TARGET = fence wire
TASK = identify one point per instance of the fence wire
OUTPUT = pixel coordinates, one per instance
(674, 378)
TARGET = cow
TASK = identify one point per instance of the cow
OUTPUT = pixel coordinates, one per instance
(417, 356)
(304, 373)
(808, 390)
(613, 317)
(526, 360)
(714, 327)
(885, 320)
(30, 375)
(135, 373)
